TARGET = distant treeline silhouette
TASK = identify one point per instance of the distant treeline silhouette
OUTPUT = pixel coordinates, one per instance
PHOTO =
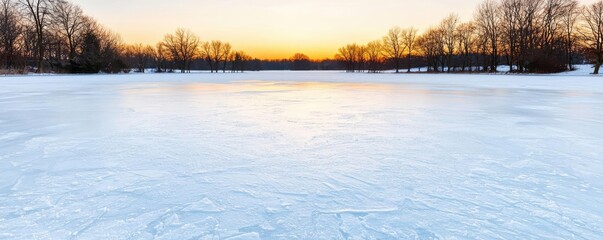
(56, 36)
(536, 36)
(528, 35)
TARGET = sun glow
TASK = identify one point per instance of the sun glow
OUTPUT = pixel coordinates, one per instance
(271, 28)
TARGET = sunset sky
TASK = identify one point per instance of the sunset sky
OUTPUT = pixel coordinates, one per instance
(273, 28)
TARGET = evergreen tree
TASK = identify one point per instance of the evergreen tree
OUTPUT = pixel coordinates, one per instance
(89, 61)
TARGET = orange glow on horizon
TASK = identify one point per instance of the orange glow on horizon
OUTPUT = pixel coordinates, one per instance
(272, 29)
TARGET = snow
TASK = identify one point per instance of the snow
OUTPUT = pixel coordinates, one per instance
(301, 155)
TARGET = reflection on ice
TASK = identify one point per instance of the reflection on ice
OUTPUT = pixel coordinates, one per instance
(328, 155)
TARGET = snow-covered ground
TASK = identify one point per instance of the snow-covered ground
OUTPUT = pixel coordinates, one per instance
(286, 155)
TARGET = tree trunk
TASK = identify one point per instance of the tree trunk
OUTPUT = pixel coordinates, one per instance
(397, 60)
(409, 63)
(40, 64)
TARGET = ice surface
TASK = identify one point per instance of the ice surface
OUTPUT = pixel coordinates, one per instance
(285, 155)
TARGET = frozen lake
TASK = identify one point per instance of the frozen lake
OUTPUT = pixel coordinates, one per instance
(301, 156)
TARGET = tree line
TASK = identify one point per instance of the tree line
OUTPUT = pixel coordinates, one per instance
(525, 35)
(56, 36)
(183, 51)
(529, 36)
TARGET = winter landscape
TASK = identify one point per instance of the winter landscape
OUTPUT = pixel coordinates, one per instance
(291, 155)
(313, 119)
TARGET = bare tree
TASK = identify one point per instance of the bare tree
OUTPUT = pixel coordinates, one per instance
(374, 53)
(300, 61)
(183, 47)
(139, 56)
(553, 11)
(431, 45)
(510, 21)
(466, 40)
(226, 53)
(10, 31)
(38, 11)
(207, 54)
(239, 60)
(409, 39)
(360, 58)
(69, 19)
(216, 53)
(528, 31)
(569, 19)
(160, 58)
(593, 19)
(448, 29)
(394, 46)
(348, 55)
(487, 21)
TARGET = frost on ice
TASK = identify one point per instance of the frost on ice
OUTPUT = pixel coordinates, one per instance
(301, 156)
